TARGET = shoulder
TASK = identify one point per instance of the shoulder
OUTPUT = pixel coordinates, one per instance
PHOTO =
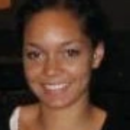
(27, 115)
(22, 116)
(29, 112)
(100, 116)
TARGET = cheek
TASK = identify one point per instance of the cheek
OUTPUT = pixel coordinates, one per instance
(31, 71)
(81, 71)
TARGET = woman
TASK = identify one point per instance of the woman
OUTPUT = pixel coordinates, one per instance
(63, 44)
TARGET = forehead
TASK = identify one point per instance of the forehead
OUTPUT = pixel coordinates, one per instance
(51, 26)
(62, 17)
(47, 19)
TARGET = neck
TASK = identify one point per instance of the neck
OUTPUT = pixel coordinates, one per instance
(70, 117)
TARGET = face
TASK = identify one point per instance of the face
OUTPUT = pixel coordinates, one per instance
(58, 58)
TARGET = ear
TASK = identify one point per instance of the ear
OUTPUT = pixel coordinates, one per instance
(98, 55)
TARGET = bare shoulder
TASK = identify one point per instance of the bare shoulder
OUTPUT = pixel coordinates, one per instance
(100, 116)
(100, 112)
(29, 111)
(27, 115)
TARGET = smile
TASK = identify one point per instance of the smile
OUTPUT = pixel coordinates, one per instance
(55, 86)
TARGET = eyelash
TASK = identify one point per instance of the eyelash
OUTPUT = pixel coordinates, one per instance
(32, 55)
(72, 53)
(68, 53)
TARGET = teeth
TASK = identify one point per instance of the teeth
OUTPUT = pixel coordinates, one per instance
(55, 87)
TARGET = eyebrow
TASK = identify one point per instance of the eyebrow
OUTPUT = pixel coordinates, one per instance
(31, 44)
(72, 42)
(64, 43)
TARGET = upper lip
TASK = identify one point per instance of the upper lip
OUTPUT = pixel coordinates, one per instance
(53, 83)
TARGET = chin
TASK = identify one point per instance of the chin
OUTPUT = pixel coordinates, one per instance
(57, 103)
(62, 103)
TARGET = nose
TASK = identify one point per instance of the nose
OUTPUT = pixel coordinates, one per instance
(52, 67)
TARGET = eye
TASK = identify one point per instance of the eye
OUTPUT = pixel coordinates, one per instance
(72, 53)
(32, 55)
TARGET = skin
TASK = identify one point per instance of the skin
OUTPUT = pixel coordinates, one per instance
(57, 52)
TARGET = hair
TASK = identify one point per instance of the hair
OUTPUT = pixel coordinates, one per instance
(93, 21)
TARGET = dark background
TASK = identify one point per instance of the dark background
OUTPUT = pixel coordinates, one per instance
(113, 89)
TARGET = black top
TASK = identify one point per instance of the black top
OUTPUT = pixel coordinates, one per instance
(116, 121)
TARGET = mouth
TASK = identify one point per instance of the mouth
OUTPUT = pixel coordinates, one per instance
(55, 86)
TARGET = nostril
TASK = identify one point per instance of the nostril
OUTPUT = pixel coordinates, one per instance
(51, 68)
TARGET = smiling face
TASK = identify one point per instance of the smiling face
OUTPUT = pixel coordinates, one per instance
(58, 58)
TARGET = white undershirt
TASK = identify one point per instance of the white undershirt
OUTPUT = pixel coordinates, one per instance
(14, 120)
